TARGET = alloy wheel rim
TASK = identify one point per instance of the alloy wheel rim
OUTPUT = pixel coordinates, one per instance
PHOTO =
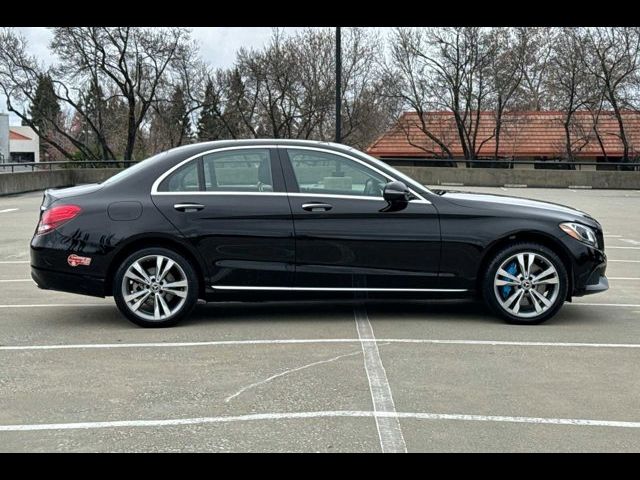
(526, 285)
(155, 287)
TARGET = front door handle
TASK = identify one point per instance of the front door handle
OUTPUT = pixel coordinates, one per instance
(188, 207)
(316, 207)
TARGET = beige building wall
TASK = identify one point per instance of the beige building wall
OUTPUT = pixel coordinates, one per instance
(32, 145)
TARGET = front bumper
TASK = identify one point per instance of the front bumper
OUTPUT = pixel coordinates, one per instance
(593, 280)
(601, 286)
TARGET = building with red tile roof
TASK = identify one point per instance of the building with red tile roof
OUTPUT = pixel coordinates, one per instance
(524, 135)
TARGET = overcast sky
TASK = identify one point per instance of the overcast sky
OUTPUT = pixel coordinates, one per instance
(218, 45)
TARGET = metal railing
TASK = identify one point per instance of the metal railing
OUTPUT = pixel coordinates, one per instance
(12, 167)
(510, 163)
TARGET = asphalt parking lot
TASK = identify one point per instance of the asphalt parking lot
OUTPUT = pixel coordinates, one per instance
(316, 376)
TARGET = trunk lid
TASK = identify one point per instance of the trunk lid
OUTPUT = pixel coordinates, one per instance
(52, 195)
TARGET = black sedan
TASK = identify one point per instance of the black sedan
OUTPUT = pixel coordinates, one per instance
(285, 219)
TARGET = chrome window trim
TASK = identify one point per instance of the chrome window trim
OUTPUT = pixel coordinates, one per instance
(156, 184)
(232, 192)
(332, 195)
(158, 181)
(339, 289)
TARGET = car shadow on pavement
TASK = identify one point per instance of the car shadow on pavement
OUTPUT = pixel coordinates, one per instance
(458, 311)
(342, 310)
(337, 311)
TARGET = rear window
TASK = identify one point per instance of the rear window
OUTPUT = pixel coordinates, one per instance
(127, 172)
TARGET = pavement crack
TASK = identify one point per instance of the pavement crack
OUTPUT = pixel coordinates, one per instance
(287, 372)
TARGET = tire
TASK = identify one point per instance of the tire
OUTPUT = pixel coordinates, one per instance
(137, 290)
(522, 299)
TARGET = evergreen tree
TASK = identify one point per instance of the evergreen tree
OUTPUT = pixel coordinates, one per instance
(210, 126)
(178, 118)
(91, 103)
(45, 113)
(237, 109)
(44, 109)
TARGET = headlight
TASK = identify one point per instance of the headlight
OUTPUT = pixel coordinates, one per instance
(580, 233)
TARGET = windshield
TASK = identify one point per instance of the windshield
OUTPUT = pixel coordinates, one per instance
(131, 170)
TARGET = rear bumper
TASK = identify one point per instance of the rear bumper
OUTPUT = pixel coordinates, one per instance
(81, 284)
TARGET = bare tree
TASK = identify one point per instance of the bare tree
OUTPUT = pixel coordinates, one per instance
(180, 94)
(133, 60)
(20, 75)
(411, 87)
(446, 69)
(537, 43)
(506, 71)
(287, 89)
(367, 112)
(612, 58)
(571, 88)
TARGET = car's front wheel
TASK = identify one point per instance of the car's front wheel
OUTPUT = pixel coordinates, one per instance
(155, 287)
(525, 283)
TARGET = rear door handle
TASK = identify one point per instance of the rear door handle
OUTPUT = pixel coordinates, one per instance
(316, 207)
(188, 207)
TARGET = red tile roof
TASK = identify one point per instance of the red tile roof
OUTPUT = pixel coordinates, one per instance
(523, 134)
(17, 136)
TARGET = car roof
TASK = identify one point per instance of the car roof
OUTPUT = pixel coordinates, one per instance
(195, 148)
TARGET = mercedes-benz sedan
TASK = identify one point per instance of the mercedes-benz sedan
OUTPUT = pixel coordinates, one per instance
(286, 219)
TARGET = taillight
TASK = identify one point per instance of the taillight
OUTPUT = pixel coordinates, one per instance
(56, 216)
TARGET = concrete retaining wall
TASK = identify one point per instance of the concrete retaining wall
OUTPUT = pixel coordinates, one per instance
(20, 182)
(490, 177)
(29, 181)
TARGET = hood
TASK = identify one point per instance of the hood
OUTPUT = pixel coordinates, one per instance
(502, 202)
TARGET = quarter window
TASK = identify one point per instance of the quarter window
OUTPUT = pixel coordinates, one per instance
(185, 179)
(327, 173)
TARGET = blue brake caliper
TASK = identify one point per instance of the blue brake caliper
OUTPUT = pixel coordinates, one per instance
(512, 269)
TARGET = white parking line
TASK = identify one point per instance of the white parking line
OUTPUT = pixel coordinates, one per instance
(628, 240)
(7, 210)
(623, 261)
(623, 278)
(222, 343)
(13, 261)
(389, 429)
(40, 305)
(622, 248)
(313, 415)
(631, 305)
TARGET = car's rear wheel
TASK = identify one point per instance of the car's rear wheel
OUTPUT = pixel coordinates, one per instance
(155, 287)
(525, 283)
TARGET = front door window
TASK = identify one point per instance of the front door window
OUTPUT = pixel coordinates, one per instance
(322, 173)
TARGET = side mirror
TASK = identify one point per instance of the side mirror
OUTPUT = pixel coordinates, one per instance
(396, 192)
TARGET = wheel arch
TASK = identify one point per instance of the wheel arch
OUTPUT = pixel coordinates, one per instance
(161, 241)
(527, 236)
